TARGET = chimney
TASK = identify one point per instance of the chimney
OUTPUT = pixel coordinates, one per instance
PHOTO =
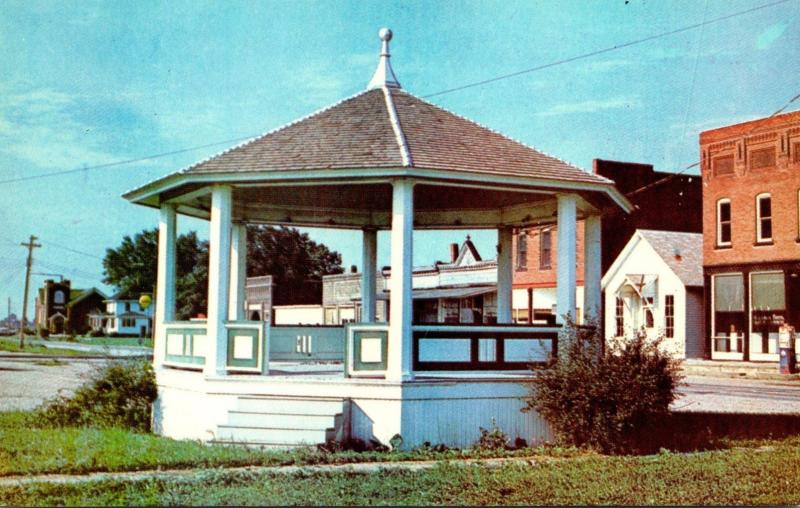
(453, 252)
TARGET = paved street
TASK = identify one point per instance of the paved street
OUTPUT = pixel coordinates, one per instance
(728, 395)
(25, 384)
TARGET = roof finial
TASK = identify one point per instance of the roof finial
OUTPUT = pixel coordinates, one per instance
(384, 75)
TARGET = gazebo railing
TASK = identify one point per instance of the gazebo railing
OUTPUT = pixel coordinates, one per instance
(482, 348)
(246, 346)
(366, 349)
(307, 343)
(186, 343)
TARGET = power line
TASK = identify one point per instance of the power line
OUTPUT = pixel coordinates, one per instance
(695, 164)
(64, 247)
(606, 50)
(122, 162)
(442, 92)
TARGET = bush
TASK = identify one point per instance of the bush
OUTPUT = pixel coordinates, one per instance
(44, 333)
(605, 399)
(494, 439)
(120, 394)
(97, 333)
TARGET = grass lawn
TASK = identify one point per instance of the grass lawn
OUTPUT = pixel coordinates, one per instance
(28, 449)
(116, 341)
(12, 346)
(734, 476)
(763, 472)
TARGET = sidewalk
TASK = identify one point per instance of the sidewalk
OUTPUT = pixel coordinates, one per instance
(198, 474)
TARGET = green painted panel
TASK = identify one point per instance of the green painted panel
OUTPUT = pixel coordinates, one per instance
(187, 347)
(367, 342)
(255, 349)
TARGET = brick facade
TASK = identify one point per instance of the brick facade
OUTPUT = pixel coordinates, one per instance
(752, 282)
(740, 162)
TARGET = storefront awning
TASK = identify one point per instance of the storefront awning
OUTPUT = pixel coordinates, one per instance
(436, 293)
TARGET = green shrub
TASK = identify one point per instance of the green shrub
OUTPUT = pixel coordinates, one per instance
(605, 399)
(44, 333)
(97, 333)
(494, 439)
(120, 394)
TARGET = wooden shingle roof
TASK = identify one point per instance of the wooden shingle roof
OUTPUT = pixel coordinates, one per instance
(362, 132)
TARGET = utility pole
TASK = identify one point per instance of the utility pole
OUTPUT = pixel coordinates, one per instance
(30, 245)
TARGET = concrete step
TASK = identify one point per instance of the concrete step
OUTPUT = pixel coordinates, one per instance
(289, 406)
(736, 369)
(267, 436)
(281, 421)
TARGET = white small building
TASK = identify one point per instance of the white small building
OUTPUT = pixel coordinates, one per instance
(656, 285)
(123, 316)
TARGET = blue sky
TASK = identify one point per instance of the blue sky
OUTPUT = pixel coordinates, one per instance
(88, 83)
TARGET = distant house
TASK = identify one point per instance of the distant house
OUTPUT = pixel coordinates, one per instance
(123, 316)
(656, 286)
(463, 290)
(63, 309)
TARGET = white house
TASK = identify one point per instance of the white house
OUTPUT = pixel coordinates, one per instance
(656, 285)
(123, 316)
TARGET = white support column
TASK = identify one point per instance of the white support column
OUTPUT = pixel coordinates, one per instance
(219, 240)
(592, 269)
(165, 281)
(400, 332)
(368, 268)
(565, 270)
(238, 272)
(505, 275)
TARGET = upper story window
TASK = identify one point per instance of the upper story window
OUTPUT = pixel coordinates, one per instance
(522, 250)
(545, 249)
(764, 218)
(58, 297)
(127, 306)
(724, 222)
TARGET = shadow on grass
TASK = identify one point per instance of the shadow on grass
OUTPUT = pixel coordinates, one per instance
(698, 431)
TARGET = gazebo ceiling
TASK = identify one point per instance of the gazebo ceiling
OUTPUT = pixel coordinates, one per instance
(372, 137)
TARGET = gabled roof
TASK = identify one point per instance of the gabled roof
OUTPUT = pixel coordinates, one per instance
(78, 295)
(683, 253)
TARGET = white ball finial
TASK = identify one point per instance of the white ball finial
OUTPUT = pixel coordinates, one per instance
(385, 34)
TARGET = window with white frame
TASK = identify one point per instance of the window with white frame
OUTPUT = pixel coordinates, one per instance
(764, 218)
(545, 249)
(619, 317)
(669, 316)
(128, 322)
(724, 222)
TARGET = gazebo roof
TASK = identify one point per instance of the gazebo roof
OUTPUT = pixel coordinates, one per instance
(383, 131)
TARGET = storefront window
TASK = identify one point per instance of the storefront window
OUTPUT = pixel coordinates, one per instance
(451, 311)
(768, 311)
(729, 316)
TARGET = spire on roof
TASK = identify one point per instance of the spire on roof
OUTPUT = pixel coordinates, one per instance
(384, 75)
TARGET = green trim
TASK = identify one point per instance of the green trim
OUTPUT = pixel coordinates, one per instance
(188, 355)
(358, 336)
(243, 362)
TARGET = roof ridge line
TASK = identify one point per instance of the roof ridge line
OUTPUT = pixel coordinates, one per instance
(394, 120)
(506, 136)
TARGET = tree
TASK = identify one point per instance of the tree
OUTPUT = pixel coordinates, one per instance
(294, 260)
(132, 266)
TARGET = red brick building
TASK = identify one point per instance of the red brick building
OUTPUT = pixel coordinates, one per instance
(751, 235)
(663, 201)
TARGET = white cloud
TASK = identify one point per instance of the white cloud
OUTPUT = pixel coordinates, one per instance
(592, 106)
(768, 37)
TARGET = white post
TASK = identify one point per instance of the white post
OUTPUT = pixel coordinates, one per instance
(219, 241)
(565, 269)
(400, 333)
(368, 267)
(592, 269)
(505, 275)
(238, 272)
(165, 281)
